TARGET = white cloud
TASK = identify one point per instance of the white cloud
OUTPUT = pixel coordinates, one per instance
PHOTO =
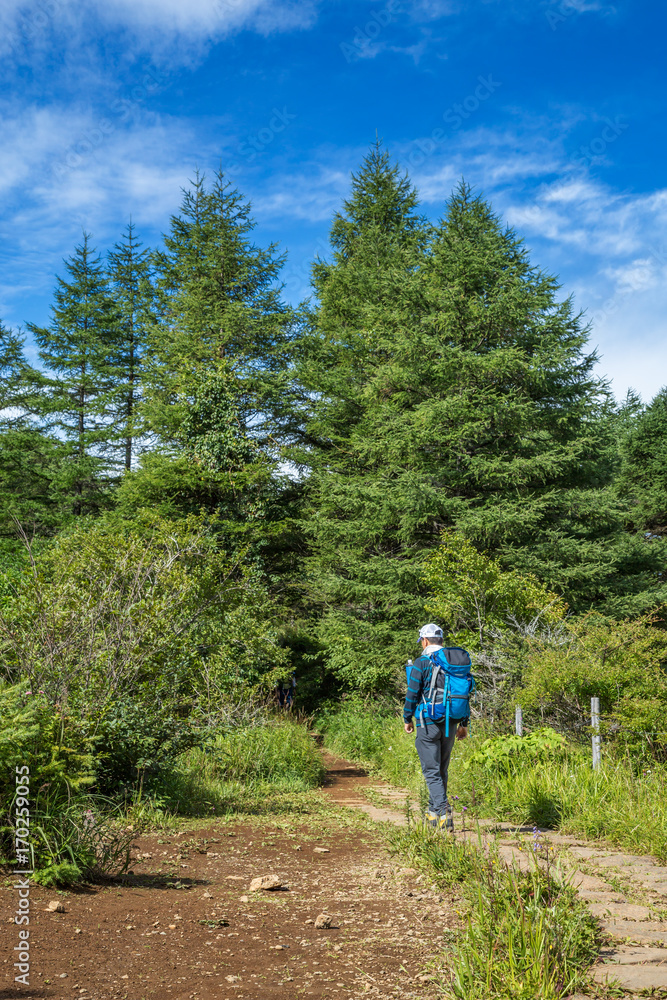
(159, 26)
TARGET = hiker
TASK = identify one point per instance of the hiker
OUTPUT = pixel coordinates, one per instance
(431, 705)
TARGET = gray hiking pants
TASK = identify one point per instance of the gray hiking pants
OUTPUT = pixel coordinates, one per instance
(435, 749)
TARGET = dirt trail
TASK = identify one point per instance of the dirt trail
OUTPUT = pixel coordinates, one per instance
(627, 892)
(184, 925)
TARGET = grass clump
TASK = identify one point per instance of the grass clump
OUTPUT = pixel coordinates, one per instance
(374, 739)
(245, 770)
(527, 934)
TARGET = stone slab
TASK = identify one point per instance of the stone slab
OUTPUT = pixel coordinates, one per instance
(645, 932)
(621, 911)
(590, 883)
(632, 977)
(627, 955)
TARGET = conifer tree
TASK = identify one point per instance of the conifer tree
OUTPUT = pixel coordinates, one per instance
(359, 579)
(130, 273)
(220, 302)
(14, 376)
(30, 460)
(643, 476)
(77, 350)
(455, 392)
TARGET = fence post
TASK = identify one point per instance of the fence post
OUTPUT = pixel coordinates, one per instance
(595, 726)
(518, 720)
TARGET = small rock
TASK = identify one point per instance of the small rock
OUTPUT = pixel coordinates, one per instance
(77, 930)
(266, 882)
(207, 895)
(321, 850)
(243, 899)
(125, 977)
(323, 921)
(63, 975)
(55, 906)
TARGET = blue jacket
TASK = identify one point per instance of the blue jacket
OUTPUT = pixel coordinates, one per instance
(419, 685)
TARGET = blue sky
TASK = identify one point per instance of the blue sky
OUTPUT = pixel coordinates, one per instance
(553, 110)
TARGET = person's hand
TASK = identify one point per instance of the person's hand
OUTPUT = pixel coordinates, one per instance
(409, 727)
(461, 732)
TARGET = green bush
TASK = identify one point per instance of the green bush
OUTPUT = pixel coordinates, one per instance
(502, 753)
(622, 663)
(51, 743)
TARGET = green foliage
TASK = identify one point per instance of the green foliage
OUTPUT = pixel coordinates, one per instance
(153, 612)
(502, 753)
(527, 933)
(50, 742)
(476, 599)
(644, 466)
(622, 663)
(138, 741)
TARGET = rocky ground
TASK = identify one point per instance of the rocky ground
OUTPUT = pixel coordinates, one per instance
(187, 926)
(344, 917)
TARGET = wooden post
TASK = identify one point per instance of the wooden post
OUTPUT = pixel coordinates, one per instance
(518, 720)
(595, 726)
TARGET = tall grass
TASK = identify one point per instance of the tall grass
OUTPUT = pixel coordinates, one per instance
(620, 803)
(244, 769)
(527, 934)
(376, 741)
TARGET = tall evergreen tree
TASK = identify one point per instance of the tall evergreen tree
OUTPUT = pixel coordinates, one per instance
(30, 460)
(220, 303)
(130, 274)
(455, 391)
(14, 376)
(643, 476)
(77, 351)
(368, 299)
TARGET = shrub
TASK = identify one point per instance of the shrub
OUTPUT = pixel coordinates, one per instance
(475, 599)
(622, 663)
(506, 753)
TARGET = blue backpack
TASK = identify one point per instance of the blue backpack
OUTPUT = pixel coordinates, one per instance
(452, 684)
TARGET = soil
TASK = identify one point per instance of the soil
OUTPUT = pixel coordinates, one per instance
(185, 925)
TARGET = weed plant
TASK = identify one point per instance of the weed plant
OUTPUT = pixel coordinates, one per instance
(622, 803)
(527, 934)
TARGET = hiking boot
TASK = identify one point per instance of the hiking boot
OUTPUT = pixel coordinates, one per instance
(446, 822)
(430, 819)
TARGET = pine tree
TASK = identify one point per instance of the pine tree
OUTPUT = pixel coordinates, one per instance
(130, 273)
(360, 577)
(14, 376)
(77, 351)
(643, 476)
(220, 303)
(455, 392)
(30, 460)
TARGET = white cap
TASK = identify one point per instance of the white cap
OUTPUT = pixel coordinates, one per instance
(430, 631)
